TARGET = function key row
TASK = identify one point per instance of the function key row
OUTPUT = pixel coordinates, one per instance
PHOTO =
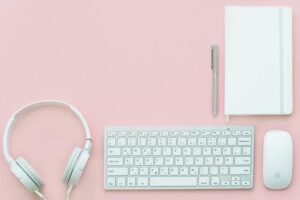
(181, 141)
(227, 132)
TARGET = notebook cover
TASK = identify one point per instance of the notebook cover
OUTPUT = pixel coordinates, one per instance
(258, 60)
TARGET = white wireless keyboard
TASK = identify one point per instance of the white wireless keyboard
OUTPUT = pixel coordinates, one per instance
(195, 157)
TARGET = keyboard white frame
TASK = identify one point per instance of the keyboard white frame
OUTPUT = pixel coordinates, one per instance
(180, 128)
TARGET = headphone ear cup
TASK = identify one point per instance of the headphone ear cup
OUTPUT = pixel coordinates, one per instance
(79, 167)
(26, 175)
(70, 165)
(75, 167)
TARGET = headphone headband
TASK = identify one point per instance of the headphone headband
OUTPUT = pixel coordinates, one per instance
(13, 119)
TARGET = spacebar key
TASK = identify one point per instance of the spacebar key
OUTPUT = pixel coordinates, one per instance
(173, 181)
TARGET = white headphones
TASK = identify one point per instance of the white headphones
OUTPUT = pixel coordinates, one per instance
(26, 174)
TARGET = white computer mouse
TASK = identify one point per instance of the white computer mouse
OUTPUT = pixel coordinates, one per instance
(278, 159)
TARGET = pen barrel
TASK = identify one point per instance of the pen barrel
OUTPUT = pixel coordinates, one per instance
(215, 63)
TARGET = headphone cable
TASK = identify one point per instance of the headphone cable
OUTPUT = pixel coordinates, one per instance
(69, 191)
(38, 193)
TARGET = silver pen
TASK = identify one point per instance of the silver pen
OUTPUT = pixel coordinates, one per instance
(214, 67)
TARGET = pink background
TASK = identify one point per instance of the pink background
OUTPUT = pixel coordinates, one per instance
(121, 63)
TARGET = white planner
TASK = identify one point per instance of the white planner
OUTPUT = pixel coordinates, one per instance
(258, 60)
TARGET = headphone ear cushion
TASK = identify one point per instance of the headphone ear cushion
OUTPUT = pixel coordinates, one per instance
(75, 166)
(79, 167)
(71, 163)
(35, 177)
(25, 176)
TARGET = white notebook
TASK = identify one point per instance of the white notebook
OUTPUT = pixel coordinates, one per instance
(258, 60)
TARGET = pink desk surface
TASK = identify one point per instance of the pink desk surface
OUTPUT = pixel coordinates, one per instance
(121, 63)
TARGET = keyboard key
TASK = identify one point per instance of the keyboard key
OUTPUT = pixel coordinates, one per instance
(222, 141)
(111, 141)
(111, 181)
(205, 133)
(236, 133)
(172, 141)
(146, 151)
(174, 171)
(242, 160)
(247, 133)
(202, 141)
(235, 183)
(215, 181)
(245, 183)
(203, 170)
(131, 181)
(176, 151)
(181, 141)
(117, 171)
(231, 141)
(159, 161)
(209, 161)
(235, 178)
(199, 161)
(189, 161)
(138, 161)
(194, 170)
(166, 151)
(223, 170)
(192, 141)
(215, 133)
(128, 161)
(239, 170)
(142, 141)
(142, 181)
(197, 151)
(115, 161)
(126, 151)
(114, 151)
(226, 151)
(244, 141)
(226, 133)
(169, 161)
(236, 151)
(121, 181)
(213, 170)
(111, 133)
(151, 141)
(149, 161)
(187, 151)
(203, 181)
(164, 171)
(219, 160)
(229, 161)
(162, 141)
(154, 171)
(212, 141)
(122, 141)
(225, 183)
(206, 151)
(131, 141)
(134, 171)
(184, 171)
(179, 161)
(217, 151)
(246, 151)
(157, 151)
(143, 171)
(173, 181)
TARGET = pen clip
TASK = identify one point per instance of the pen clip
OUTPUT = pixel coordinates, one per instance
(214, 49)
(212, 57)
